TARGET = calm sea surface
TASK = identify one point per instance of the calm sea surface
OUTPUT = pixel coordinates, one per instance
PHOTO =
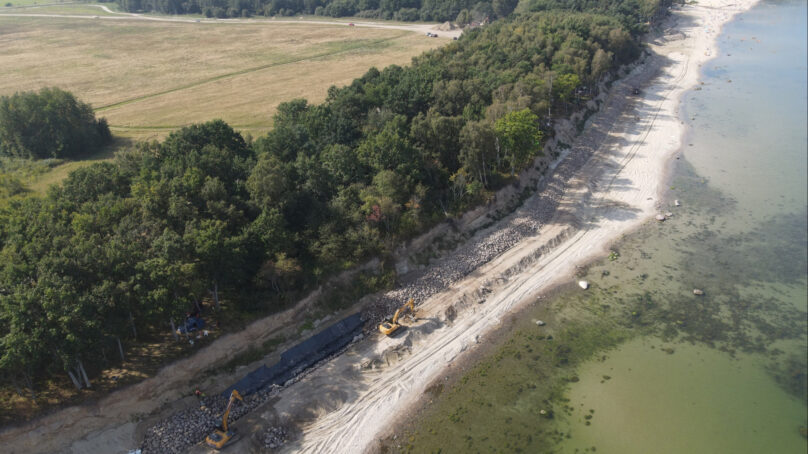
(743, 238)
(638, 363)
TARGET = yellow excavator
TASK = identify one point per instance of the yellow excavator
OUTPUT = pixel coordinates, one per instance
(390, 327)
(221, 435)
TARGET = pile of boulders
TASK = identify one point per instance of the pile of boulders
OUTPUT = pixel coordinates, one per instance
(185, 428)
(455, 266)
(179, 431)
(274, 437)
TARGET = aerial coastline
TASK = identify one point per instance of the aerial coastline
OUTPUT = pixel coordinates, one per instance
(631, 142)
(609, 182)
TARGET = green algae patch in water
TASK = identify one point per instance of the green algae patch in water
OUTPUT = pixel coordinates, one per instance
(638, 359)
(692, 400)
(508, 401)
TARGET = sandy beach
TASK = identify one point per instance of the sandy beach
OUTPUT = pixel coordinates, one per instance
(611, 181)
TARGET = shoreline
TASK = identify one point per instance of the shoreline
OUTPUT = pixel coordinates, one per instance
(411, 414)
(645, 163)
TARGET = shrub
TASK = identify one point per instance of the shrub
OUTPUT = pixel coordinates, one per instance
(49, 124)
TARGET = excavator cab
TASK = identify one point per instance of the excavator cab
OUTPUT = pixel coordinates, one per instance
(221, 435)
(388, 327)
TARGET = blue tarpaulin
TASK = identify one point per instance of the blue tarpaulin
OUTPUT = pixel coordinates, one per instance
(191, 324)
(301, 356)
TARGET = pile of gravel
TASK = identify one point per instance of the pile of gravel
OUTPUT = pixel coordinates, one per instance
(185, 428)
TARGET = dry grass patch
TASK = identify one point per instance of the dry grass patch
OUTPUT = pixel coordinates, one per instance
(150, 78)
(20, 178)
(165, 75)
(249, 100)
(68, 8)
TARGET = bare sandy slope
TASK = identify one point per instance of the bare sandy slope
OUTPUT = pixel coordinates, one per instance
(612, 180)
(418, 28)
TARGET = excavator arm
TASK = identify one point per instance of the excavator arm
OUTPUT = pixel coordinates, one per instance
(409, 304)
(233, 396)
(390, 327)
(221, 435)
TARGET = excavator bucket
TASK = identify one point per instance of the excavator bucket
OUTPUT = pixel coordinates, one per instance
(218, 439)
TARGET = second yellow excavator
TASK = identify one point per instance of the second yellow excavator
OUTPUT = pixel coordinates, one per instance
(221, 435)
(390, 327)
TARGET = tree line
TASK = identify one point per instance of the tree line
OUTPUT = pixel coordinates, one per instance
(633, 14)
(403, 10)
(120, 249)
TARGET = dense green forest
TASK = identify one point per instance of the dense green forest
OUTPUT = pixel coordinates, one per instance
(119, 249)
(50, 123)
(404, 10)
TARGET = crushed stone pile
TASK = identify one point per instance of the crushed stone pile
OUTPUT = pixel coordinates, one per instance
(186, 428)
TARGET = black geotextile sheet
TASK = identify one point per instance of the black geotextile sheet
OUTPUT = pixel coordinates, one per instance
(301, 356)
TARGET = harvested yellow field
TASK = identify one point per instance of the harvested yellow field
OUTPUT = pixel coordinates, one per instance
(148, 78)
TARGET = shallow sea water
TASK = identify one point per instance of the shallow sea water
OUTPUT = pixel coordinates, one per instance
(740, 236)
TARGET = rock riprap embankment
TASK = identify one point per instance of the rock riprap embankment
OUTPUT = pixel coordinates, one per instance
(486, 245)
(188, 427)
(185, 428)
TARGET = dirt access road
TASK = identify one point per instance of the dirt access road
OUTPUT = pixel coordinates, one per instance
(114, 15)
